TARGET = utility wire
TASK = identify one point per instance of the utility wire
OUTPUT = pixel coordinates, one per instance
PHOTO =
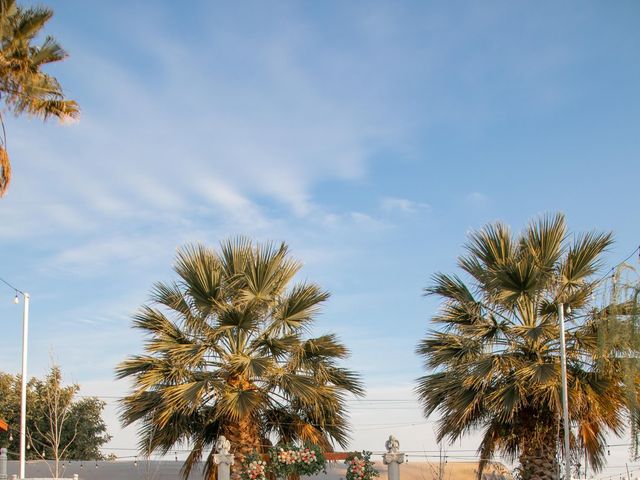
(613, 269)
(11, 286)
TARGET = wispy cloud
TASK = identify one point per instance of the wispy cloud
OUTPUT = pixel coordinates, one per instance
(97, 255)
(403, 205)
(143, 149)
(230, 202)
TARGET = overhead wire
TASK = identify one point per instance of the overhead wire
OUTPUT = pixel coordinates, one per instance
(16, 289)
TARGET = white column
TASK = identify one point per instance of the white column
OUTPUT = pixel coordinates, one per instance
(565, 394)
(3, 464)
(223, 458)
(23, 396)
(393, 458)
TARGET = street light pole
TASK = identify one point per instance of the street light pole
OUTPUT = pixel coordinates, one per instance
(565, 392)
(23, 396)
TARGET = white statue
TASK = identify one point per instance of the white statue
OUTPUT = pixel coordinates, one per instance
(392, 445)
(223, 445)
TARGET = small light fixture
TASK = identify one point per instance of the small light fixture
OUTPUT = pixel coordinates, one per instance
(10, 437)
(16, 300)
(568, 309)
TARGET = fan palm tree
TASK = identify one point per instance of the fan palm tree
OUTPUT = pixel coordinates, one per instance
(494, 358)
(24, 87)
(227, 354)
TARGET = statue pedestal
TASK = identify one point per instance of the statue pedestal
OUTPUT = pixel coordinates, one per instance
(393, 458)
(223, 458)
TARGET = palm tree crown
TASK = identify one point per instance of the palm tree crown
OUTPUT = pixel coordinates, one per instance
(227, 354)
(494, 358)
(24, 87)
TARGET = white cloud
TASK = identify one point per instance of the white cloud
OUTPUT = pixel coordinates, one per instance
(348, 221)
(233, 204)
(404, 205)
(95, 256)
(155, 192)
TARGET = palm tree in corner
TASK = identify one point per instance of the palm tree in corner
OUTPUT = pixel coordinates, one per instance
(228, 353)
(494, 356)
(24, 87)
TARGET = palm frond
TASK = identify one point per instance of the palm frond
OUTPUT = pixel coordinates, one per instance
(50, 51)
(30, 21)
(584, 259)
(267, 272)
(239, 403)
(544, 240)
(450, 288)
(492, 245)
(200, 271)
(250, 366)
(440, 349)
(297, 308)
(300, 387)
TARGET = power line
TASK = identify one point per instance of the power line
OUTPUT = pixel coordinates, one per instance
(17, 290)
(612, 269)
(353, 400)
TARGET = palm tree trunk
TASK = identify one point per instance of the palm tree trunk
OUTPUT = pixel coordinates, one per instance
(245, 439)
(538, 459)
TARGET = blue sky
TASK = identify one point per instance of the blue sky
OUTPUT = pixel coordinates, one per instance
(370, 136)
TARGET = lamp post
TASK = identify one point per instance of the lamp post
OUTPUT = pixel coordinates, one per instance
(565, 392)
(23, 394)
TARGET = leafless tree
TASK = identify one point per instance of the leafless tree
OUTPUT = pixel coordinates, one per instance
(56, 403)
(438, 470)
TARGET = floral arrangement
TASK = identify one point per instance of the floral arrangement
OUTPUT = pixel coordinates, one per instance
(253, 467)
(360, 467)
(289, 460)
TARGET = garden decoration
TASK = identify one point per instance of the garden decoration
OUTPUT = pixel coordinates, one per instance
(285, 461)
(289, 460)
(253, 467)
(360, 467)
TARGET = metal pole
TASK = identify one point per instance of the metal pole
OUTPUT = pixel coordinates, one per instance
(565, 396)
(23, 396)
